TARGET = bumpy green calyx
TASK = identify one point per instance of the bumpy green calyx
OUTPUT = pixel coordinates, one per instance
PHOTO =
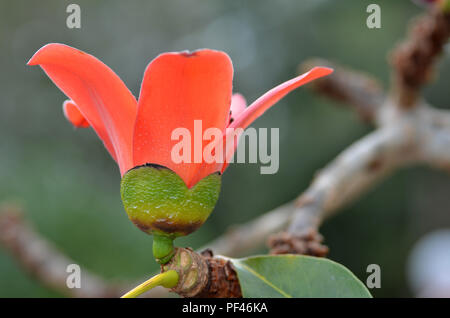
(158, 201)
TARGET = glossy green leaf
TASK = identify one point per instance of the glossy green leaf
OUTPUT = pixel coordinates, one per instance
(296, 276)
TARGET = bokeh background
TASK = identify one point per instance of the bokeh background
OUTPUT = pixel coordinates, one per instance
(69, 186)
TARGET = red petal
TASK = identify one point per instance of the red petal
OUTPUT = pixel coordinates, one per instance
(73, 115)
(177, 89)
(100, 95)
(258, 107)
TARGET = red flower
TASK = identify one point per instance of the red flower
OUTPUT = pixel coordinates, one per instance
(177, 89)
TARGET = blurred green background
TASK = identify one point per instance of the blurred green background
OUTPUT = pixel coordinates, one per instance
(69, 186)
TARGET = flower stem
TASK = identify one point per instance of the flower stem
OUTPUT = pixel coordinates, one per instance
(163, 249)
(167, 279)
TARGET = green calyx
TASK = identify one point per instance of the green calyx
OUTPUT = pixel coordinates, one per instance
(158, 202)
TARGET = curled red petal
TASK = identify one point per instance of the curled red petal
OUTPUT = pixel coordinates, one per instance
(73, 115)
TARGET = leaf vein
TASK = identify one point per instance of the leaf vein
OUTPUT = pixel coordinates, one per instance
(266, 281)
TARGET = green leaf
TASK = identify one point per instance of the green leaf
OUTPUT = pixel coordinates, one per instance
(296, 276)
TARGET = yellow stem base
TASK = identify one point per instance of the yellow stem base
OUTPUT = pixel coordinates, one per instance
(167, 279)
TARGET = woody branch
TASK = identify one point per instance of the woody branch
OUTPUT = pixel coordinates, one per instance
(408, 131)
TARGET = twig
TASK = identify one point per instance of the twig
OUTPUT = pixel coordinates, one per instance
(413, 60)
(47, 264)
(409, 131)
(247, 237)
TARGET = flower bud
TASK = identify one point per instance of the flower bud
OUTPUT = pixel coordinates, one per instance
(158, 201)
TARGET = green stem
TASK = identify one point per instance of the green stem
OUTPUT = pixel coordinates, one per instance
(167, 279)
(163, 249)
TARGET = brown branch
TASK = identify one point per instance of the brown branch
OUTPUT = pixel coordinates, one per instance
(203, 276)
(248, 237)
(43, 260)
(47, 264)
(305, 243)
(347, 177)
(413, 60)
(405, 134)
